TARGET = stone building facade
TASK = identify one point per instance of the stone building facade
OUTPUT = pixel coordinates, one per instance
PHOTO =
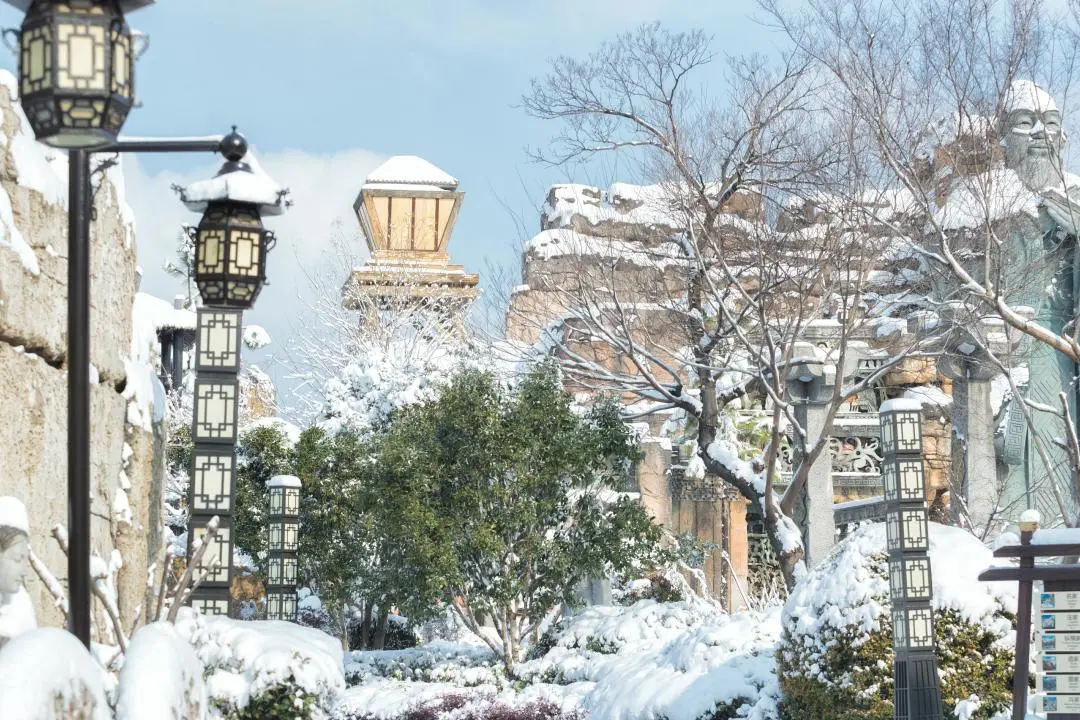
(126, 499)
(612, 238)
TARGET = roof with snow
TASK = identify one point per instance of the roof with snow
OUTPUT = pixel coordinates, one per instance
(244, 186)
(410, 170)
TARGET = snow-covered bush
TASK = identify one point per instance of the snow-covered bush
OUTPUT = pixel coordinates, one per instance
(459, 707)
(162, 677)
(47, 674)
(460, 664)
(835, 656)
(265, 669)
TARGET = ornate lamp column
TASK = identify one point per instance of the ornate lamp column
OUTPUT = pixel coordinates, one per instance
(916, 685)
(807, 387)
(230, 270)
(214, 430)
(284, 544)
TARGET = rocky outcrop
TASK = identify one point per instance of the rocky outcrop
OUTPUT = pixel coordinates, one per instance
(33, 372)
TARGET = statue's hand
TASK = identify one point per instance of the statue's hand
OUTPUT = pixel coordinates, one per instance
(1062, 209)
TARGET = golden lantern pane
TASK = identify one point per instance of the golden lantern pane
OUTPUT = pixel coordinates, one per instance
(215, 411)
(212, 482)
(445, 211)
(424, 231)
(218, 343)
(210, 257)
(400, 219)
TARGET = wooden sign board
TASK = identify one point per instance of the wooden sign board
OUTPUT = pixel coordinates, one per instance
(1054, 663)
(1067, 621)
(1067, 683)
(1050, 642)
(1057, 703)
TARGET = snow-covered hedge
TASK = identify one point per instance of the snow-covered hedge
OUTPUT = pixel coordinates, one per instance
(260, 669)
(835, 656)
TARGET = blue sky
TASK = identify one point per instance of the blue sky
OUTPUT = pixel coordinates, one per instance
(326, 89)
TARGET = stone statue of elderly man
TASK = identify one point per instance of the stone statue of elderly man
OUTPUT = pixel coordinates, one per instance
(1042, 206)
(16, 610)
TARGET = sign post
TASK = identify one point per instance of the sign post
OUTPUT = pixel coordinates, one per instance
(1057, 680)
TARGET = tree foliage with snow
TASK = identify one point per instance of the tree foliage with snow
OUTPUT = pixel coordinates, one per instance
(504, 501)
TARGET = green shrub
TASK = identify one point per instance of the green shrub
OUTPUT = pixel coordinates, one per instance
(285, 701)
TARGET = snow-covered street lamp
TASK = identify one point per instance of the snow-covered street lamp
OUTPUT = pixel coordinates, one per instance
(76, 69)
(917, 689)
(76, 86)
(230, 269)
(283, 534)
(230, 241)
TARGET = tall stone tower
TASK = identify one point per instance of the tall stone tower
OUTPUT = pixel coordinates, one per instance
(407, 208)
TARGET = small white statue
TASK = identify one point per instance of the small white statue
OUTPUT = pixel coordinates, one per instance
(16, 610)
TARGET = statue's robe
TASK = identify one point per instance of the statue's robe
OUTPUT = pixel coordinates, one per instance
(1042, 273)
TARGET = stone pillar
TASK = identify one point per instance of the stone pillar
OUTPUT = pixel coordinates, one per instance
(975, 481)
(819, 526)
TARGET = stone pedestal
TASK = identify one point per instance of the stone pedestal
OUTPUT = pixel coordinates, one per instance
(816, 501)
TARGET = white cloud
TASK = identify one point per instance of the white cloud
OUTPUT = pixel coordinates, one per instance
(323, 188)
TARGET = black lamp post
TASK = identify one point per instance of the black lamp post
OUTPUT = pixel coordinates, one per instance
(917, 688)
(76, 85)
(230, 270)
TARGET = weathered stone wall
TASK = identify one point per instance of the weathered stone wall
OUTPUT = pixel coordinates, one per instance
(33, 375)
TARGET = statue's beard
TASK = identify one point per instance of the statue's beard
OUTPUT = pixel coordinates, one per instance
(1036, 172)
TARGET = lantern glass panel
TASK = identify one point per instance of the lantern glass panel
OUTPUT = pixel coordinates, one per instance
(917, 573)
(292, 537)
(920, 627)
(288, 607)
(275, 574)
(893, 538)
(899, 622)
(289, 570)
(273, 605)
(292, 501)
(891, 480)
(211, 606)
(82, 57)
(277, 536)
(277, 500)
(916, 532)
(908, 429)
(213, 483)
(218, 347)
(896, 580)
(888, 433)
(215, 411)
(912, 486)
(220, 549)
(244, 253)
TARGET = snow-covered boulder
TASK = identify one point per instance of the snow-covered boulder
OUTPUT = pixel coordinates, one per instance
(47, 674)
(836, 647)
(162, 677)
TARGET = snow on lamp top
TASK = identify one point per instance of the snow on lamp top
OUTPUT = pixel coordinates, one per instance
(410, 170)
(245, 182)
(284, 481)
(13, 514)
